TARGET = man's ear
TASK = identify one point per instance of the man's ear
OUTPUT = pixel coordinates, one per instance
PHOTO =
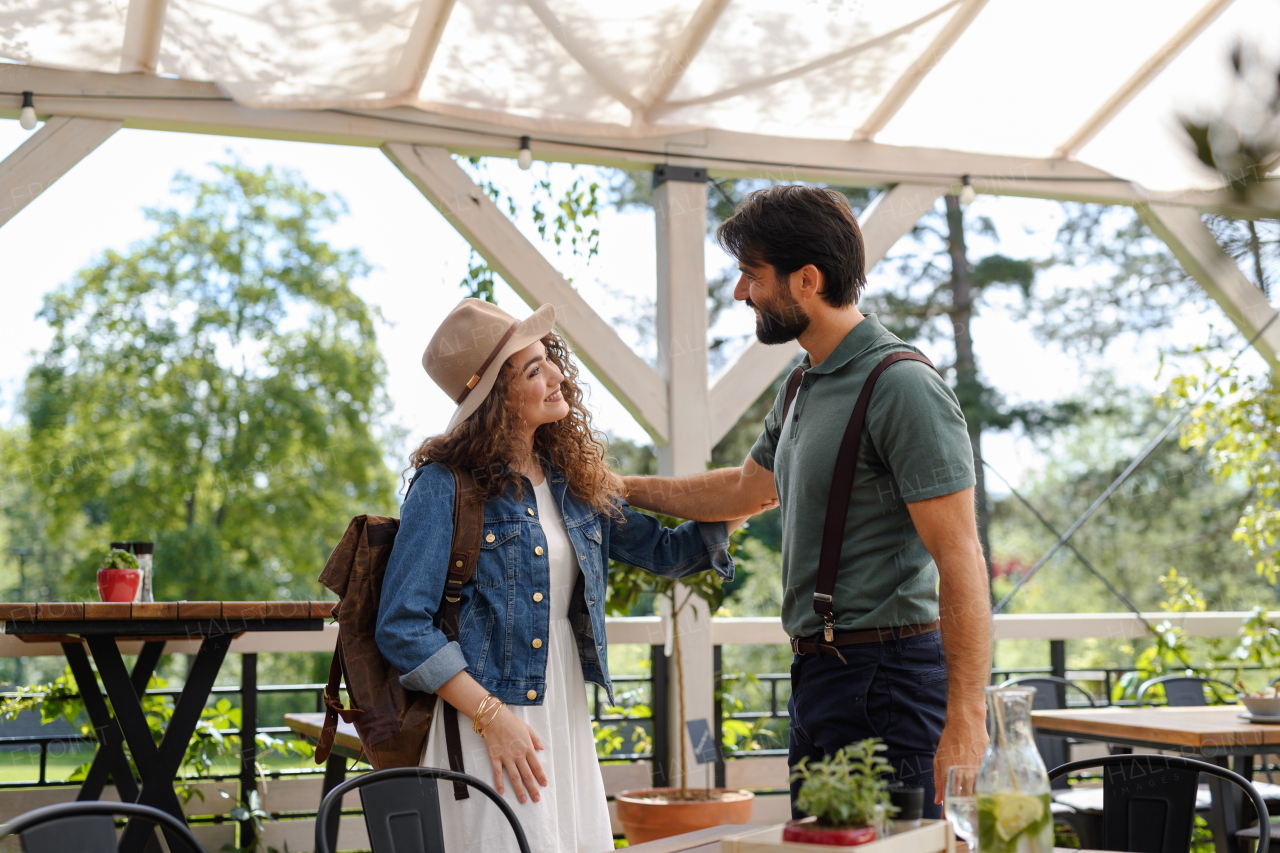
(806, 282)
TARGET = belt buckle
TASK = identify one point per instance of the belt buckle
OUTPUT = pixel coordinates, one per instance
(795, 645)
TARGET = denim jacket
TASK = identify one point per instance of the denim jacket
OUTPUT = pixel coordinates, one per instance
(498, 617)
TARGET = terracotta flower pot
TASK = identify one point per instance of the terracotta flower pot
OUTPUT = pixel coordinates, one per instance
(647, 813)
(118, 584)
(807, 831)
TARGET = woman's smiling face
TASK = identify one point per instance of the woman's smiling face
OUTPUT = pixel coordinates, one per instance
(535, 387)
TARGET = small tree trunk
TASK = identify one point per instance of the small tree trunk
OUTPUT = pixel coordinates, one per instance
(675, 643)
(968, 389)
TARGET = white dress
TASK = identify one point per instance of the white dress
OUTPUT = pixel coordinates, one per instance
(572, 816)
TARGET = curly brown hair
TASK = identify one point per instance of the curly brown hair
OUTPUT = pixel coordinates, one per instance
(487, 441)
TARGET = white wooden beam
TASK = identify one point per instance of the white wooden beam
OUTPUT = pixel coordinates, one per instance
(143, 28)
(664, 78)
(890, 215)
(420, 47)
(1199, 253)
(918, 70)
(1140, 78)
(45, 157)
(680, 217)
(183, 106)
(451, 191)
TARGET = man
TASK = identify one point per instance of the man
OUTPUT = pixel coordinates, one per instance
(901, 648)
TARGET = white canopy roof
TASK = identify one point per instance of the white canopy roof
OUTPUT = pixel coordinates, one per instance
(1098, 80)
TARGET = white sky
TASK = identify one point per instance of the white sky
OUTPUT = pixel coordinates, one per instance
(419, 261)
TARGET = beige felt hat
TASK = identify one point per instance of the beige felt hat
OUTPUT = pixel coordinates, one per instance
(469, 348)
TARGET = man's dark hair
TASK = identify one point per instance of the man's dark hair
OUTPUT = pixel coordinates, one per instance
(790, 226)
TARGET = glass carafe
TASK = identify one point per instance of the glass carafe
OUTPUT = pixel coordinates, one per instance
(1013, 786)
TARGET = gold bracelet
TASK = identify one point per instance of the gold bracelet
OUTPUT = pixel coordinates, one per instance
(481, 710)
(500, 706)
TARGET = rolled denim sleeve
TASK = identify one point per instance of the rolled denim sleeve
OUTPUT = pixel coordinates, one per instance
(640, 540)
(414, 584)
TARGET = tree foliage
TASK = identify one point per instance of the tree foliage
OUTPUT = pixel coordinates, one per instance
(217, 388)
(1238, 430)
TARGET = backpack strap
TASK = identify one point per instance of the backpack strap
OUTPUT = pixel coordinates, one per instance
(841, 492)
(793, 385)
(464, 552)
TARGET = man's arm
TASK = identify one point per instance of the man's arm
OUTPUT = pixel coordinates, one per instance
(948, 529)
(724, 494)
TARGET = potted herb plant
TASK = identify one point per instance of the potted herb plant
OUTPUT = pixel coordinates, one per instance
(844, 795)
(647, 814)
(119, 576)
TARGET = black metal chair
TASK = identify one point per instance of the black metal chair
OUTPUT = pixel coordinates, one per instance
(1149, 800)
(92, 824)
(1183, 691)
(402, 810)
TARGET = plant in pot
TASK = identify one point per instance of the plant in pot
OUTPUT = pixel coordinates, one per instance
(119, 576)
(652, 813)
(845, 796)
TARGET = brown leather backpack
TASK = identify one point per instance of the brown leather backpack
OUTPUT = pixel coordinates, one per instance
(393, 723)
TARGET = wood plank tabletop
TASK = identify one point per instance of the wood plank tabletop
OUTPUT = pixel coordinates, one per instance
(75, 611)
(1194, 729)
(309, 725)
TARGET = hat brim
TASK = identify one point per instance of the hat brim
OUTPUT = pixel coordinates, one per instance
(533, 328)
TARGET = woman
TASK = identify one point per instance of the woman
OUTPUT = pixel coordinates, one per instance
(531, 621)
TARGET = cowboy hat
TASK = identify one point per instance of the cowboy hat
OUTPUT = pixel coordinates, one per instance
(470, 347)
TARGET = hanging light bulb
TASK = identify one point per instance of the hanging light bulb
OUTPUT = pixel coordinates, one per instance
(967, 192)
(525, 157)
(27, 118)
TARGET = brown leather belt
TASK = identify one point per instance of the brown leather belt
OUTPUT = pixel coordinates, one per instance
(872, 635)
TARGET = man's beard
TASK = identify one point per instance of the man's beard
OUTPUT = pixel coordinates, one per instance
(780, 323)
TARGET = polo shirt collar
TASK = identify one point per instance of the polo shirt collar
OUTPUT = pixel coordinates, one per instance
(859, 339)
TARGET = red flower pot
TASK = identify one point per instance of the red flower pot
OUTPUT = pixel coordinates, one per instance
(807, 831)
(118, 584)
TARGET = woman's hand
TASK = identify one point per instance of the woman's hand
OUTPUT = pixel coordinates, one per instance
(513, 744)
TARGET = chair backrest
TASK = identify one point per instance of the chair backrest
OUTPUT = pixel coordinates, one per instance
(1050, 693)
(1183, 691)
(1148, 801)
(402, 810)
(92, 824)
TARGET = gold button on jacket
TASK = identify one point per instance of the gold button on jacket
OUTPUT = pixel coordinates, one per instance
(532, 694)
(538, 550)
(537, 596)
(529, 510)
(537, 644)
(489, 538)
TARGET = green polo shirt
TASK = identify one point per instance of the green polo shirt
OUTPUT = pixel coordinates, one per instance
(914, 446)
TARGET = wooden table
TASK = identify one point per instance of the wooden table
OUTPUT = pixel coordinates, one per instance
(99, 625)
(1215, 734)
(346, 745)
(708, 841)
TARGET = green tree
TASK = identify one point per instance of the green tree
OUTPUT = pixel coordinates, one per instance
(217, 388)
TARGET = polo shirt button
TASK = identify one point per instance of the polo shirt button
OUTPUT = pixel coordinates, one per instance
(537, 596)
(532, 694)
(805, 386)
(538, 550)
(529, 510)
(537, 644)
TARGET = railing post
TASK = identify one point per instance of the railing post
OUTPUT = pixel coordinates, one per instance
(660, 714)
(717, 714)
(248, 742)
(1058, 665)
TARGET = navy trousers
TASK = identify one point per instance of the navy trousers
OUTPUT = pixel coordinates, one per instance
(894, 690)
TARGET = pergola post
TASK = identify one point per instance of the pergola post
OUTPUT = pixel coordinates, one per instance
(680, 215)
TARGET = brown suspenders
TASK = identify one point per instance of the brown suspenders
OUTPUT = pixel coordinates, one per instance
(846, 467)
